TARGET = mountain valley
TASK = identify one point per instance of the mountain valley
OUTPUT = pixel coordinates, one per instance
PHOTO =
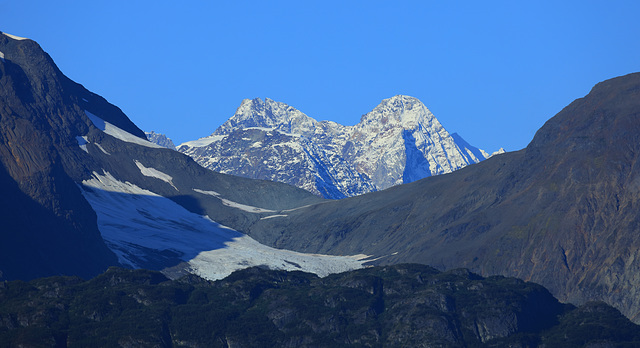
(102, 193)
(83, 189)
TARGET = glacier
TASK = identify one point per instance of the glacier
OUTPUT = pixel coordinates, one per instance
(145, 230)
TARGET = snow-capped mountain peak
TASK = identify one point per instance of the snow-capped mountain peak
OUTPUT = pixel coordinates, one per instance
(399, 141)
(13, 36)
(160, 139)
(402, 110)
(268, 114)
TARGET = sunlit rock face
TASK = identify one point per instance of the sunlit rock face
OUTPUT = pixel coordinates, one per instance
(400, 141)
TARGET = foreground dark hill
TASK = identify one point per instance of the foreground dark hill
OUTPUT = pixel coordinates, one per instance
(563, 212)
(393, 306)
(55, 136)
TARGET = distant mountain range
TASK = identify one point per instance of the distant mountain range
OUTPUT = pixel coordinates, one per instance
(82, 189)
(400, 141)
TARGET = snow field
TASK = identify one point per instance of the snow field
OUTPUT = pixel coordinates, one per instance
(140, 226)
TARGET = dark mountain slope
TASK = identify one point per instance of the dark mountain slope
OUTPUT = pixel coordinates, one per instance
(48, 227)
(394, 306)
(49, 146)
(563, 212)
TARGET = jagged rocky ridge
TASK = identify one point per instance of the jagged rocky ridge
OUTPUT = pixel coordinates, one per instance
(400, 141)
(160, 139)
(394, 306)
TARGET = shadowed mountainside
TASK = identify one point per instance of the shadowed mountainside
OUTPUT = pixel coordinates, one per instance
(563, 212)
(50, 145)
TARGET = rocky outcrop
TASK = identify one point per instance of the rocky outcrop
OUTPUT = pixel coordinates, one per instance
(160, 139)
(400, 141)
(395, 306)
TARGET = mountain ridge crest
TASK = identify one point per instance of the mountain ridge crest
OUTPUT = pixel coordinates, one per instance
(399, 141)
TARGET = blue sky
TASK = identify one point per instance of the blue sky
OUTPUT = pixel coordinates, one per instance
(493, 71)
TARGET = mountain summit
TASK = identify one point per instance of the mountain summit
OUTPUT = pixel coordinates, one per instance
(561, 212)
(268, 114)
(400, 141)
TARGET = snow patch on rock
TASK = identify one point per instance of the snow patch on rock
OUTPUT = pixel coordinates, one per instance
(273, 216)
(154, 173)
(232, 204)
(205, 192)
(82, 142)
(141, 227)
(14, 37)
(117, 132)
(202, 141)
(102, 149)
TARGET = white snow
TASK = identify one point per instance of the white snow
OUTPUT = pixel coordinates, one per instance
(228, 203)
(102, 149)
(210, 193)
(273, 216)
(154, 173)
(265, 129)
(82, 141)
(14, 37)
(399, 141)
(294, 209)
(245, 251)
(203, 141)
(500, 151)
(138, 225)
(119, 133)
(2, 56)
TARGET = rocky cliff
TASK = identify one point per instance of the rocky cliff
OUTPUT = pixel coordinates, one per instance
(160, 139)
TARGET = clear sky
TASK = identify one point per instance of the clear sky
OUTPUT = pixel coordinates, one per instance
(493, 71)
